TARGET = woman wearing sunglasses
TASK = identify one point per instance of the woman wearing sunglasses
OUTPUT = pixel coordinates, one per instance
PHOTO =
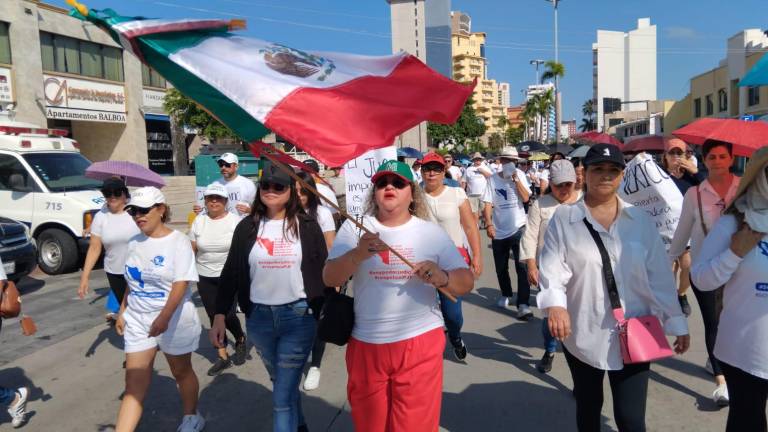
(395, 354)
(111, 230)
(274, 269)
(709, 199)
(211, 236)
(157, 313)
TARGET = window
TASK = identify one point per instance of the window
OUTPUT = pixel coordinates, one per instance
(5, 44)
(611, 105)
(697, 107)
(753, 96)
(66, 54)
(710, 104)
(722, 100)
(62, 172)
(13, 176)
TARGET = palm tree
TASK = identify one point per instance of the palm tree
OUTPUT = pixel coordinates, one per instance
(554, 71)
(588, 108)
(529, 116)
(587, 124)
(503, 124)
(544, 103)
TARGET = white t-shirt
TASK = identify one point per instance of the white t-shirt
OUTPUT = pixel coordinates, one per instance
(496, 167)
(391, 304)
(328, 193)
(213, 238)
(325, 219)
(543, 175)
(444, 210)
(476, 181)
(153, 265)
(2, 272)
(508, 210)
(455, 172)
(115, 231)
(275, 266)
(240, 190)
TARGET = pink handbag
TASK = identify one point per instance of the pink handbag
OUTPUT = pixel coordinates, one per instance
(642, 338)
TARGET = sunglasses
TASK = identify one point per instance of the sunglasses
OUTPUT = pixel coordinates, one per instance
(397, 182)
(109, 193)
(267, 186)
(223, 164)
(432, 167)
(215, 198)
(134, 211)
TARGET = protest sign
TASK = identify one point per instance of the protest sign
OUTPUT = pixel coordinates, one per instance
(358, 173)
(648, 186)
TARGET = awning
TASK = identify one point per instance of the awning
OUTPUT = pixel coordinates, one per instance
(758, 75)
(160, 117)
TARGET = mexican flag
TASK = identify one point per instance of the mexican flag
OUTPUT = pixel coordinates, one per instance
(334, 106)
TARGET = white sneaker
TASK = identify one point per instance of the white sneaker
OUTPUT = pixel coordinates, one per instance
(17, 410)
(720, 395)
(524, 312)
(708, 367)
(312, 381)
(192, 423)
(503, 302)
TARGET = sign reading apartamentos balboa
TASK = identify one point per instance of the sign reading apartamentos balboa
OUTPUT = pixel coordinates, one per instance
(76, 99)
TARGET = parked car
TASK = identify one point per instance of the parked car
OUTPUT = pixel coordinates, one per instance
(17, 250)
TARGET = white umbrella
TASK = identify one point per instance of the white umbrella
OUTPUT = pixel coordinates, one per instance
(580, 152)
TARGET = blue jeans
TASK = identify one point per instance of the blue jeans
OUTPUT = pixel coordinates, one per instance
(283, 337)
(550, 343)
(7, 395)
(453, 317)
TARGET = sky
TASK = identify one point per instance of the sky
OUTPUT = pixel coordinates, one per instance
(691, 35)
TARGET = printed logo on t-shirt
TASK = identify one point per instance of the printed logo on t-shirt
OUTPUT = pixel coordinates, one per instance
(502, 193)
(135, 274)
(762, 289)
(396, 269)
(267, 244)
(281, 253)
(763, 248)
(158, 260)
(384, 256)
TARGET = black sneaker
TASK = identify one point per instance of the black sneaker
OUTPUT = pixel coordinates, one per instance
(684, 305)
(460, 350)
(545, 365)
(219, 366)
(240, 353)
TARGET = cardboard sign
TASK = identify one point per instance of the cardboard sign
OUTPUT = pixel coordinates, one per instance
(648, 186)
(358, 173)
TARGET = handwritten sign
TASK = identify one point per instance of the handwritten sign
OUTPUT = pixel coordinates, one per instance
(648, 186)
(358, 173)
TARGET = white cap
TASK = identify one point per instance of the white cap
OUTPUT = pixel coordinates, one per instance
(216, 189)
(562, 171)
(230, 158)
(146, 197)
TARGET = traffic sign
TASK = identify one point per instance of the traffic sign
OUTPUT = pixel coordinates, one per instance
(747, 117)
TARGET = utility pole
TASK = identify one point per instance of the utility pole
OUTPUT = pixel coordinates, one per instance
(557, 79)
(537, 63)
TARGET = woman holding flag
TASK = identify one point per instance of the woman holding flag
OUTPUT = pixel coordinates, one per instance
(394, 357)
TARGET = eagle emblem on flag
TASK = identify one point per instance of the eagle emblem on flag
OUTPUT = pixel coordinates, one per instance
(290, 61)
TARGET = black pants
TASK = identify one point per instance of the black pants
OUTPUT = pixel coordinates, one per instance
(208, 287)
(748, 395)
(629, 388)
(318, 349)
(711, 316)
(118, 285)
(501, 252)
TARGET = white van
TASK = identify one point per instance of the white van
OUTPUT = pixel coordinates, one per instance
(43, 185)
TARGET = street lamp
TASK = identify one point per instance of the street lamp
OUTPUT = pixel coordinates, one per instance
(537, 63)
(557, 79)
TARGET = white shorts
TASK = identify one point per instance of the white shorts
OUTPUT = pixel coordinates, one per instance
(181, 337)
(475, 202)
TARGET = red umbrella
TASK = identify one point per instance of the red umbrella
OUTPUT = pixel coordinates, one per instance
(746, 136)
(648, 143)
(599, 138)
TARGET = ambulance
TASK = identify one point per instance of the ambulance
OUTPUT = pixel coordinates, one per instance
(43, 186)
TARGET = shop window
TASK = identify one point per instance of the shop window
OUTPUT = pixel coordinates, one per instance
(697, 107)
(710, 104)
(65, 54)
(753, 95)
(150, 77)
(5, 44)
(722, 100)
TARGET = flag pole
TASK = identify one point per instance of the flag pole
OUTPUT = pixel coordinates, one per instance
(288, 170)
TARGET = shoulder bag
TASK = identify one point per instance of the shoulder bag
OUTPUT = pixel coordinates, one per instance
(642, 338)
(10, 302)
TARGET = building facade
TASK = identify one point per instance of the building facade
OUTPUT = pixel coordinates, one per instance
(59, 72)
(544, 128)
(504, 96)
(624, 70)
(567, 129)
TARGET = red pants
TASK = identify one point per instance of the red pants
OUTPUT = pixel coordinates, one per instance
(396, 387)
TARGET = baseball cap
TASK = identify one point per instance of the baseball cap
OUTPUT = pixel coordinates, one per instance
(604, 153)
(433, 157)
(312, 164)
(146, 197)
(229, 158)
(672, 143)
(477, 155)
(756, 162)
(397, 168)
(508, 152)
(562, 171)
(217, 189)
(273, 174)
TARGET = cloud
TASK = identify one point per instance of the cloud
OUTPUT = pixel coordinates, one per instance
(679, 32)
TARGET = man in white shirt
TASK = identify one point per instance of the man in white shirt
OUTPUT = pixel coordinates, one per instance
(454, 171)
(322, 188)
(241, 190)
(506, 194)
(477, 181)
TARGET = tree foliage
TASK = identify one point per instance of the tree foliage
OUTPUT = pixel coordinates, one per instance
(468, 127)
(514, 135)
(588, 123)
(552, 70)
(189, 114)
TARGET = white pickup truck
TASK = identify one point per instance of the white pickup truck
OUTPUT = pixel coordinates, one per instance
(43, 185)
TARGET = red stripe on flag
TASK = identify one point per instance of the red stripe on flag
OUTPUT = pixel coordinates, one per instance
(337, 124)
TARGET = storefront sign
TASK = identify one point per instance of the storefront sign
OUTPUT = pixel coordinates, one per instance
(78, 99)
(153, 99)
(159, 146)
(6, 85)
(358, 173)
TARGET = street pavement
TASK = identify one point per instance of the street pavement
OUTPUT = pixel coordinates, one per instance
(73, 369)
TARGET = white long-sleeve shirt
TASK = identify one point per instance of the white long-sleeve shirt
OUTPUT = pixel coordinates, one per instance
(689, 227)
(539, 215)
(571, 276)
(743, 329)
